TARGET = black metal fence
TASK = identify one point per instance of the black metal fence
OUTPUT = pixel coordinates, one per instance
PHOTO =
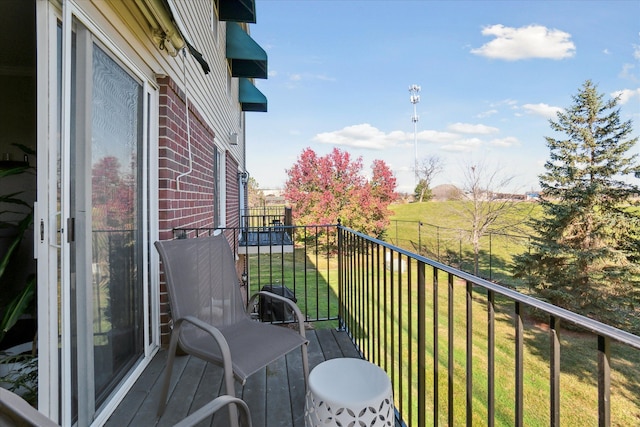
(301, 259)
(452, 246)
(265, 217)
(460, 350)
(407, 313)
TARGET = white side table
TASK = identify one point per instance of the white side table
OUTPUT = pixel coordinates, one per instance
(347, 391)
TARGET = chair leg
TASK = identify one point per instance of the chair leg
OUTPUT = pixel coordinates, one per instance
(230, 389)
(305, 365)
(173, 345)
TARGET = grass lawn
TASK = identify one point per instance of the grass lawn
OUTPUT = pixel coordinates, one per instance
(314, 279)
(579, 395)
(438, 231)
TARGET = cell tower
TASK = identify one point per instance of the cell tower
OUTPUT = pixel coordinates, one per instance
(414, 90)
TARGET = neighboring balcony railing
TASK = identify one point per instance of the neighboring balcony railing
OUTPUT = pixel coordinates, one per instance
(460, 350)
(265, 217)
(267, 258)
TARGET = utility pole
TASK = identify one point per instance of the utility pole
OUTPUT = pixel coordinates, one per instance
(414, 90)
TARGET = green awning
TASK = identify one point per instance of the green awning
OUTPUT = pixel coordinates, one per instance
(246, 57)
(250, 97)
(237, 10)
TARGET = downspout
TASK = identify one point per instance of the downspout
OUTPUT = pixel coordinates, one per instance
(205, 67)
(186, 110)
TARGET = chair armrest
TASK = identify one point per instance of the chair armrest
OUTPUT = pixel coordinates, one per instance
(216, 335)
(212, 407)
(211, 330)
(14, 410)
(287, 301)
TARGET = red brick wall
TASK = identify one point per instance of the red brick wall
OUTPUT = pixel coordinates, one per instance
(189, 201)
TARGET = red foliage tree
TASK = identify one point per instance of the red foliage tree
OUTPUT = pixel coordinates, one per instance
(322, 190)
(113, 195)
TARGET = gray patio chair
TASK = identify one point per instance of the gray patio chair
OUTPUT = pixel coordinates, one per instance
(16, 412)
(210, 320)
(212, 407)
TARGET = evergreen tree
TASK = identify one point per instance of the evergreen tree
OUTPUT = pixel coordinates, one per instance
(422, 192)
(425, 171)
(588, 245)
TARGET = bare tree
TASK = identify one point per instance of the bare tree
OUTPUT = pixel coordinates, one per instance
(425, 171)
(490, 202)
(256, 196)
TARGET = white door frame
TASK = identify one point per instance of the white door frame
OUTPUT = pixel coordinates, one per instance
(51, 213)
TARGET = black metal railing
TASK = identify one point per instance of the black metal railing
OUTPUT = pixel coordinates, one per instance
(460, 350)
(269, 257)
(453, 247)
(265, 217)
(402, 310)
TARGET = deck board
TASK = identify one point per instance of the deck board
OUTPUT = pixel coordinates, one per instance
(275, 394)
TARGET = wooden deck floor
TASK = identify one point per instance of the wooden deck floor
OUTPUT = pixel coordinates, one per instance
(275, 395)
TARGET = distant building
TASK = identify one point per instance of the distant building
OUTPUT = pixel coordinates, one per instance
(273, 196)
(446, 192)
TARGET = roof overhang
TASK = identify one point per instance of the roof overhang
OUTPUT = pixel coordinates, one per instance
(250, 97)
(163, 29)
(237, 10)
(245, 56)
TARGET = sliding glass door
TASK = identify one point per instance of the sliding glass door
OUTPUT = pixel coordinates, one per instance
(98, 226)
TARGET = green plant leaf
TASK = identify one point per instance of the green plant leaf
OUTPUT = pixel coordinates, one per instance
(25, 149)
(10, 198)
(13, 171)
(18, 306)
(22, 227)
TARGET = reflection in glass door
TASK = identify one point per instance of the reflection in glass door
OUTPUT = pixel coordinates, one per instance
(106, 250)
(116, 136)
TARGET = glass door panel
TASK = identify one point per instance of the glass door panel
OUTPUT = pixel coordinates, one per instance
(116, 136)
(106, 203)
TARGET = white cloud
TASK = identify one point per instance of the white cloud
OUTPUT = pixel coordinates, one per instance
(508, 102)
(606, 52)
(437, 136)
(533, 41)
(626, 94)
(509, 141)
(636, 51)
(472, 129)
(296, 77)
(543, 110)
(627, 72)
(487, 113)
(362, 136)
(463, 145)
(323, 78)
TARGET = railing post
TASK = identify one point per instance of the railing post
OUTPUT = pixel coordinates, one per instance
(554, 382)
(491, 334)
(604, 382)
(341, 326)
(469, 353)
(450, 366)
(436, 357)
(519, 420)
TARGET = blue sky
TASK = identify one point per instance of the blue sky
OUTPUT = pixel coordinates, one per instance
(492, 74)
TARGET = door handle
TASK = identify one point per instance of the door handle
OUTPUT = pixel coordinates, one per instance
(71, 230)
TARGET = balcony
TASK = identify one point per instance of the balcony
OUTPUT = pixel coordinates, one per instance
(459, 350)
